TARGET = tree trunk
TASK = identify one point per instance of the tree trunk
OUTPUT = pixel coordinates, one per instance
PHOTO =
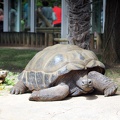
(111, 42)
(79, 22)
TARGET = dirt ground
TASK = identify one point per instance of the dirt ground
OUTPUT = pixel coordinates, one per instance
(90, 107)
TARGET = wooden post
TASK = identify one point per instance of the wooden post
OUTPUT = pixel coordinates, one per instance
(92, 41)
(50, 40)
(46, 38)
(32, 39)
(28, 39)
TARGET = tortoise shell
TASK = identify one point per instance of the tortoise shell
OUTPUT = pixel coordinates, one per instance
(50, 63)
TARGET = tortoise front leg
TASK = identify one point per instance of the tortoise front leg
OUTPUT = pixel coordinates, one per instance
(102, 83)
(58, 92)
(19, 88)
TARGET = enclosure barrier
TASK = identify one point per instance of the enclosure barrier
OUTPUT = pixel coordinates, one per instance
(43, 37)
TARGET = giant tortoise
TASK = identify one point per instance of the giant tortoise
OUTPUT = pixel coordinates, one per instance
(63, 70)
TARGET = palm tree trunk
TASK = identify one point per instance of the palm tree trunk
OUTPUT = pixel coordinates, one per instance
(79, 22)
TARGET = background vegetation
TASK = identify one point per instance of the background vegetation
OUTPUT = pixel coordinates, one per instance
(15, 59)
(39, 2)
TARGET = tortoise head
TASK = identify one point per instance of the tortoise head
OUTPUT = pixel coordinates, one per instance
(85, 84)
(3, 73)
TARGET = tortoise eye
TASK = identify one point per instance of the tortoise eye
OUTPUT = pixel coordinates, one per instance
(90, 82)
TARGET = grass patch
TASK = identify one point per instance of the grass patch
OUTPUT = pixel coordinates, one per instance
(114, 74)
(15, 59)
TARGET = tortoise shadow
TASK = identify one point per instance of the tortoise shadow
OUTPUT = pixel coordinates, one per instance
(90, 96)
(95, 94)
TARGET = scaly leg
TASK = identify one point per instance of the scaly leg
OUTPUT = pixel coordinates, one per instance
(19, 88)
(102, 83)
(58, 92)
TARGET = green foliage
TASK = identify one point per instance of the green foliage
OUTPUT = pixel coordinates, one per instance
(9, 81)
(11, 78)
(2, 86)
(51, 2)
(38, 4)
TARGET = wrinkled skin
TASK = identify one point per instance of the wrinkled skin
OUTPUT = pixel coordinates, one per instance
(102, 83)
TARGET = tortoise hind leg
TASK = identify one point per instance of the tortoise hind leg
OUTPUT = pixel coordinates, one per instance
(19, 88)
(58, 92)
(102, 83)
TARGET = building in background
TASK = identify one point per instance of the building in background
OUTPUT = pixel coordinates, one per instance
(21, 14)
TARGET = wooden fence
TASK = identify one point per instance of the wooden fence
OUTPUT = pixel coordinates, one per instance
(43, 37)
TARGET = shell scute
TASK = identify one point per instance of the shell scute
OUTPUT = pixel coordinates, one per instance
(31, 79)
(47, 80)
(54, 63)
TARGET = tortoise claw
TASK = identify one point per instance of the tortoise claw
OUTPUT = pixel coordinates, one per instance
(19, 88)
(110, 91)
(15, 91)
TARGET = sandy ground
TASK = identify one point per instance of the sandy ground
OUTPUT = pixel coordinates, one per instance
(89, 107)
